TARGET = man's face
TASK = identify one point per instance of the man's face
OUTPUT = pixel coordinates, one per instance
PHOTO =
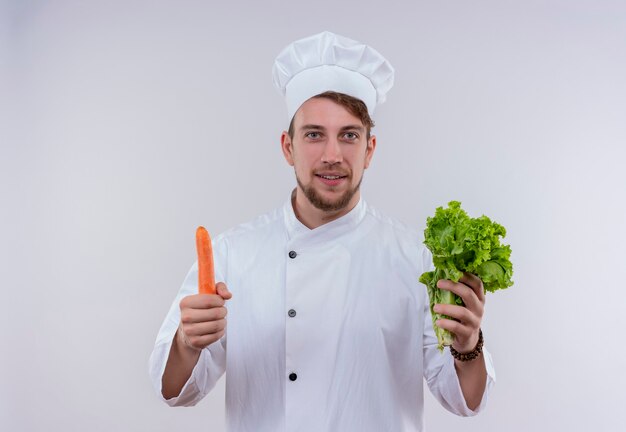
(329, 152)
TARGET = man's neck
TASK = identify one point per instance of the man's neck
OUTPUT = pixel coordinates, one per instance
(312, 217)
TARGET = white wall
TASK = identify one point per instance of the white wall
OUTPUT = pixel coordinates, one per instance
(125, 124)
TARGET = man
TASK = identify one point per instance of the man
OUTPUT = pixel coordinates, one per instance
(328, 327)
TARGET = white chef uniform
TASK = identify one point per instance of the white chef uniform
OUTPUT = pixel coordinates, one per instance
(328, 329)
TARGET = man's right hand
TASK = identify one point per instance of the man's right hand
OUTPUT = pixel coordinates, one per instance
(203, 318)
(202, 322)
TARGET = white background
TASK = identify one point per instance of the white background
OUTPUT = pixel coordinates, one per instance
(125, 124)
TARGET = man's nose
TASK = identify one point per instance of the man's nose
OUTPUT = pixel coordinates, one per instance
(332, 152)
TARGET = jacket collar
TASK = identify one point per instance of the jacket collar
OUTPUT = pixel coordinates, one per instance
(324, 233)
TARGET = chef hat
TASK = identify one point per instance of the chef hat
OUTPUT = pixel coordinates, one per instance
(329, 62)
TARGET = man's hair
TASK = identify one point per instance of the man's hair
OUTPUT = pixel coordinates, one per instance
(355, 106)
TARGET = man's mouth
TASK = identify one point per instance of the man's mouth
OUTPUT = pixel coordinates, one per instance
(331, 179)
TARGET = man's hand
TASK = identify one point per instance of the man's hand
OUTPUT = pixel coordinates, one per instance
(202, 322)
(469, 317)
(466, 326)
(203, 318)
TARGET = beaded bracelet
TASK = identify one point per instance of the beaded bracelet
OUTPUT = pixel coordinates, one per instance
(472, 354)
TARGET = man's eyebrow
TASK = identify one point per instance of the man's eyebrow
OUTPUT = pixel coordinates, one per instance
(353, 127)
(312, 126)
(344, 128)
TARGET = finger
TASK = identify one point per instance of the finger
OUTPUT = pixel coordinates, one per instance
(474, 282)
(467, 294)
(222, 291)
(200, 342)
(459, 329)
(202, 301)
(459, 313)
(191, 316)
(205, 328)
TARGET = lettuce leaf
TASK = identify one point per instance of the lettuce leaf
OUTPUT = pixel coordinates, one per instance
(461, 244)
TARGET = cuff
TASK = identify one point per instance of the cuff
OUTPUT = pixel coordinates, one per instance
(452, 385)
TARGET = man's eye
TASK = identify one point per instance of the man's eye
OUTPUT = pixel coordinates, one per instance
(351, 136)
(313, 135)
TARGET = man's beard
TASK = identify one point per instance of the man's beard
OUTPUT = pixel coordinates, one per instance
(325, 205)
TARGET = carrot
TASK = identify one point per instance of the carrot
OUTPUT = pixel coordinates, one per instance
(206, 272)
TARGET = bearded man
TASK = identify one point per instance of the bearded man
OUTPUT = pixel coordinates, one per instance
(328, 327)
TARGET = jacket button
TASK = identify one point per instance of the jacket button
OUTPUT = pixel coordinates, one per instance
(292, 254)
(293, 376)
(292, 313)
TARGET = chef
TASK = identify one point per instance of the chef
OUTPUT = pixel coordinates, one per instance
(328, 328)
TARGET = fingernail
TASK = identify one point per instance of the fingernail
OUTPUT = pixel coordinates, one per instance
(436, 308)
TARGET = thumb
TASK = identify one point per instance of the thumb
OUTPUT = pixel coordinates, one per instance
(222, 291)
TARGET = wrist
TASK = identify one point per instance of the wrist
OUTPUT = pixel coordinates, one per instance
(469, 355)
(467, 345)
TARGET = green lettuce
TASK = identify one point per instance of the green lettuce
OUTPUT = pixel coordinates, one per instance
(462, 244)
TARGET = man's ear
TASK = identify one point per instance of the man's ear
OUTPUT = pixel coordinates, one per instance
(369, 151)
(287, 147)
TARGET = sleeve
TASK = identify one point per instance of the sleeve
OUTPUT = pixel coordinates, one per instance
(212, 361)
(439, 370)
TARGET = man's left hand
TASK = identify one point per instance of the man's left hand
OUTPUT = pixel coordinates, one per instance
(467, 319)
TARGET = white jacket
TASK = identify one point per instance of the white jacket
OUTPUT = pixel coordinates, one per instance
(328, 329)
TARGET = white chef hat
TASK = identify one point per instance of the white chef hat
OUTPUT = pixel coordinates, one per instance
(329, 62)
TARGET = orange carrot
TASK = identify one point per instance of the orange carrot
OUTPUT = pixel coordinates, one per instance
(206, 272)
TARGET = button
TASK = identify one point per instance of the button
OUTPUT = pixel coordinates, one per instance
(292, 254)
(293, 376)
(292, 313)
